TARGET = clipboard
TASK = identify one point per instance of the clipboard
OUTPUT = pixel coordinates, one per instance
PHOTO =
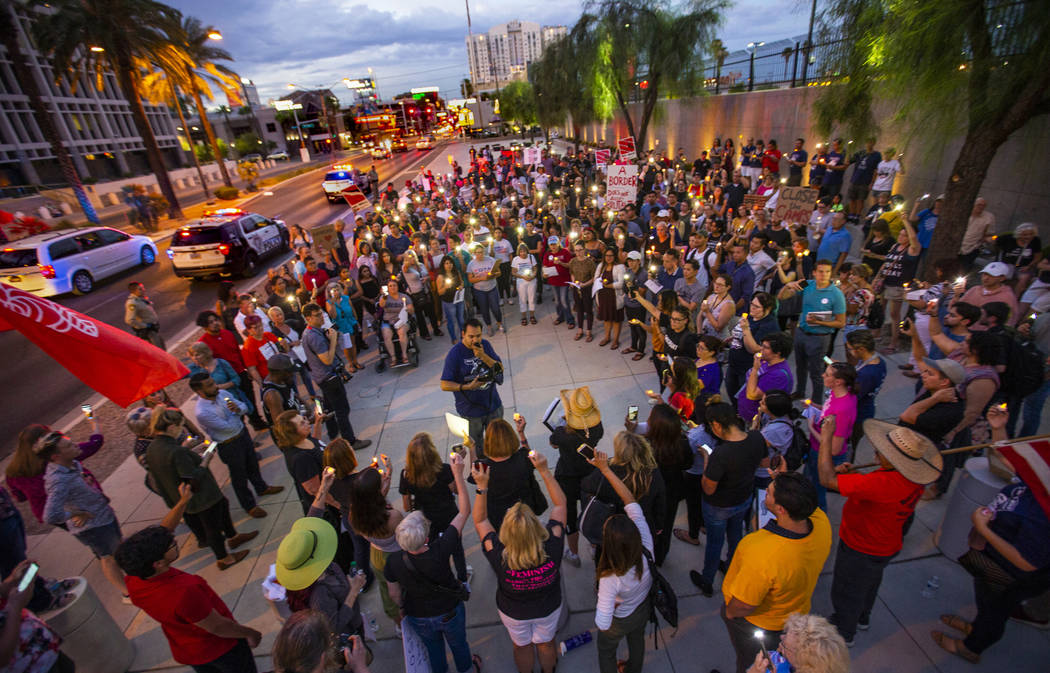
(457, 425)
(555, 403)
(654, 286)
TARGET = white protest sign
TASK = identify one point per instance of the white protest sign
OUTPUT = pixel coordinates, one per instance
(416, 658)
(531, 155)
(621, 185)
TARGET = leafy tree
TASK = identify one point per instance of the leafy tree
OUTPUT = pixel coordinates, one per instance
(719, 53)
(117, 32)
(247, 143)
(948, 67)
(786, 53)
(651, 40)
(466, 88)
(563, 83)
(517, 103)
(9, 37)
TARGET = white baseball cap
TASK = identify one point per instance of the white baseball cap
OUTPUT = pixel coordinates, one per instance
(634, 254)
(998, 269)
(664, 213)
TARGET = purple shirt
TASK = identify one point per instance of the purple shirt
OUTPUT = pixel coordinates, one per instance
(770, 377)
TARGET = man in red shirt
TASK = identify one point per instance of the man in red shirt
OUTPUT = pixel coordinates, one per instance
(224, 345)
(200, 628)
(313, 278)
(258, 347)
(771, 158)
(878, 506)
(556, 274)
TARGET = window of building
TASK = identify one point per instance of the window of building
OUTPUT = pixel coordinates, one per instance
(271, 127)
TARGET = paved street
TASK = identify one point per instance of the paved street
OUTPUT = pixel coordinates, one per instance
(55, 391)
(540, 360)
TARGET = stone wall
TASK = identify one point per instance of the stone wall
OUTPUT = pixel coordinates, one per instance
(1017, 187)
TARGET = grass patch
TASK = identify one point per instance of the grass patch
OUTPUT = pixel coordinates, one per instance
(288, 175)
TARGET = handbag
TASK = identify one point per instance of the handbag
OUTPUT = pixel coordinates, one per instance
(876, 314)
(461, 593)
(662, 598)
(593, 518)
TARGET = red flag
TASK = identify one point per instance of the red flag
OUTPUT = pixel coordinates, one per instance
(355, 198)
(119, 365)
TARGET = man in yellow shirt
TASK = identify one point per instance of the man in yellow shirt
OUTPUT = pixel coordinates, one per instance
(774, 570)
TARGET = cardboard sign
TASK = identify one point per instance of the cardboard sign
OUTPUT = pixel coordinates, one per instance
(621, 185)
(325, 236)
(795, 204)
(626, 147)
(754, 201)
(355, 198)
(531, 155)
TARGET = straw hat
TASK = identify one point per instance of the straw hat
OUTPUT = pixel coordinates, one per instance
(580, 410)
(305, 552)
(911, 454)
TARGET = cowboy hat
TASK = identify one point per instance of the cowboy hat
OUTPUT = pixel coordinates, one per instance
(305, 552)
(581, 412)
(911, 454)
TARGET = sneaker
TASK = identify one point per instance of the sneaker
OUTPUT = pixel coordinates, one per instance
(705, 587)
(1021, 616)
(359, 444)
(864, 623)
(849, 642)
(572, 559)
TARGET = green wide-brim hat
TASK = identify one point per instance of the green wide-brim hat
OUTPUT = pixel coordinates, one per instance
(305, 552)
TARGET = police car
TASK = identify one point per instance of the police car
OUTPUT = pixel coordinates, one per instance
(335, 181)
(228, 241)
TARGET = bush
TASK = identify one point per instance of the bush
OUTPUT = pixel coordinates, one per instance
(226, 193)
(158, 203)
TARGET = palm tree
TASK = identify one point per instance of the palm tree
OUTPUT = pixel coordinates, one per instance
(787, 53)
(99, 37)
(9, 37)
(466, 87)
(719, 52)
(193, 38)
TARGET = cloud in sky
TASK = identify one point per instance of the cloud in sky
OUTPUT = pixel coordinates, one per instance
(409, 43)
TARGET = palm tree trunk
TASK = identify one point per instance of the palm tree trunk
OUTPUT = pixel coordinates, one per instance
(189, 138)
(125, 77)
(208, 130)
(27, 83)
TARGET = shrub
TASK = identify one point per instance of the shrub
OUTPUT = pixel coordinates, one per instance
(226, 193)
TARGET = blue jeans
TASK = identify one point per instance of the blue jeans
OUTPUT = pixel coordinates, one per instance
(561, 302)
(453, 319)
(1032, 410)
(488, 303)
(435, 631)
(721, 523)
(813, 475)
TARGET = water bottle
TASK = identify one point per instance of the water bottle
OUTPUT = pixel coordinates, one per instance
(372, 628)
(578, 640)
(932, 585)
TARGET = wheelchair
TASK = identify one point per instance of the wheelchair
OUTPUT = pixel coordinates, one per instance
(411, 350)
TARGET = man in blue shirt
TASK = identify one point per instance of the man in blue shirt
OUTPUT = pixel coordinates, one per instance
(925, 221)
(836, 241)
(472, 372)
(671, 272)
(397, 242)
(864, 164)
(836, 164)
(796, 162)
(823, 312)
(743, 277)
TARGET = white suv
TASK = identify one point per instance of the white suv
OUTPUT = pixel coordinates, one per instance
(72, 260)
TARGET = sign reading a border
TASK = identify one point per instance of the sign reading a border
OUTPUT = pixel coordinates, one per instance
(626, 147)
(621, 185)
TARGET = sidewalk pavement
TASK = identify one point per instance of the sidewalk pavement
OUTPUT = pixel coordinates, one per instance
(540, 360)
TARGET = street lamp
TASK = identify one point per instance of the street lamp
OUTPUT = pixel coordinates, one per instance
(214, 34)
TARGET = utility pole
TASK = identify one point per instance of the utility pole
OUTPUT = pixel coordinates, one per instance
(473, 65)
(808, 48)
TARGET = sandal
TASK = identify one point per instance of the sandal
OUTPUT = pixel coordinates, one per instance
(604, 342)
(476, 660)
(958, 623)
(627, 351)
(579, 335)
(638, 356)
(590, 338)
(954, 646)
(524, 321)
(615, 346)
(532, 320)
(683, 535)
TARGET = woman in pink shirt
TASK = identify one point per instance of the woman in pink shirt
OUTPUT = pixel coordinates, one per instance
(840, 403)
(25, 472)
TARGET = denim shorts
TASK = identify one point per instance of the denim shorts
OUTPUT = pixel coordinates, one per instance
(102, 540)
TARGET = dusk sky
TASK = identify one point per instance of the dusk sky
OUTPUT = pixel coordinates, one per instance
(410, 43)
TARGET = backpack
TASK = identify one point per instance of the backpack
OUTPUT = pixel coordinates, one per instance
(662, 598)
(593, 517)
(799, 447)
(1024, 366)
(876, 314)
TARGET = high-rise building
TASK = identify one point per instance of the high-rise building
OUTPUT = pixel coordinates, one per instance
(503, 54)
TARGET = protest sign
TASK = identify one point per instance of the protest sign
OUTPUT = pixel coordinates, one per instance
(531, 155)
(795, 204)
(621, 185)
(626, 147)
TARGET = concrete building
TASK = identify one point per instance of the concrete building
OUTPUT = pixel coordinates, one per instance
(504, 53)
(94, 124)
(229, 125)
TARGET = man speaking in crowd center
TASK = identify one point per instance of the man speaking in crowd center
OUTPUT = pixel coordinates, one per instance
(472, 372)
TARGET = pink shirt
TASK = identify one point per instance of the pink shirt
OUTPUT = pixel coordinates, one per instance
(844, 409)
(978, 296)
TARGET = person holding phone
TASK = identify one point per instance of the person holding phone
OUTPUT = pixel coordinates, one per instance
(583, 427)
(304, 645)
(27, 643)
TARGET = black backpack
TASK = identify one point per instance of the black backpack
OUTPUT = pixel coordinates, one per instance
(799, 447)
(663, 600)
(1024, 367)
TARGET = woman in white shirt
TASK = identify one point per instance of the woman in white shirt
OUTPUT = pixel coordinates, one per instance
(523, 267)
(623, 579)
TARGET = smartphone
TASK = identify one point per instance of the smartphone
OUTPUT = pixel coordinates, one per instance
(586, 450)
(318, 407)
(476, 465)
(28, 577)
(802, 284)
(707, 449)
(86, 408)
(210, 450)
(632, 413)
(760, 636)
(460, 448)
(828, 361)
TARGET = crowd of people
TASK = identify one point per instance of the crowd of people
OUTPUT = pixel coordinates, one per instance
(755, 418)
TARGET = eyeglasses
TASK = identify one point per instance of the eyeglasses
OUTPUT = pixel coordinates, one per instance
(674, 319)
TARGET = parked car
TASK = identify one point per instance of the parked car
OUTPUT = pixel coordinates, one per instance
(277, 156)
(72, 260)
(255, 158)
(226, 242)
